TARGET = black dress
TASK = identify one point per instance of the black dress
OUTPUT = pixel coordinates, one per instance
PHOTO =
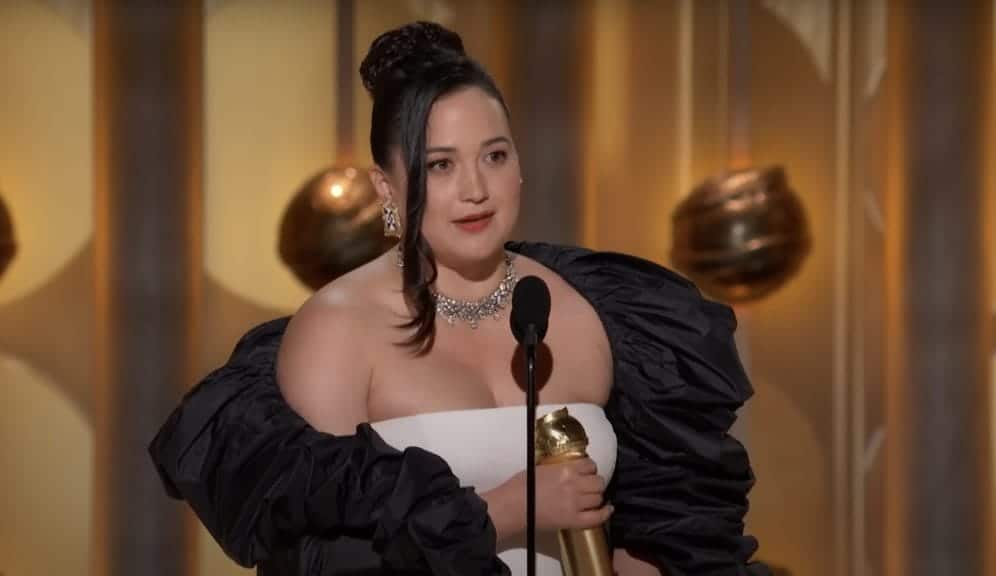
(277, 494)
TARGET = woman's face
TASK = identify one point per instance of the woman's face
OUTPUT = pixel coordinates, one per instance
(472, 179)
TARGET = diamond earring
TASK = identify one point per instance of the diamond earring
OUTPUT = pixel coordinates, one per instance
(392, 220)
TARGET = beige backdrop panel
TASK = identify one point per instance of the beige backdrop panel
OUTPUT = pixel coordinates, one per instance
(269, 126)
(46, 150)
(46, 179)
(46, 455)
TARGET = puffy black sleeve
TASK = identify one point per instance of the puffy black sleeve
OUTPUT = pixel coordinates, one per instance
(681, 480)
(270, 488)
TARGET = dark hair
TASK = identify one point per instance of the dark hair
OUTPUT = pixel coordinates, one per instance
(405, 71)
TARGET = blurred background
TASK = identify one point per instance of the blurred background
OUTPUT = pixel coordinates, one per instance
(150, 154)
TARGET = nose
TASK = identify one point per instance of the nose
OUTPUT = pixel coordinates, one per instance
(475, 188)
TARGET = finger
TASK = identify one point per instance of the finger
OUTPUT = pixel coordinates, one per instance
(590, 484)
(590, 501)
(584, 466)
(595, 517)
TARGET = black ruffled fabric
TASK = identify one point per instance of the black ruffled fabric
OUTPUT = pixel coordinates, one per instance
(277, 493)
(273, 490)
(681, 481)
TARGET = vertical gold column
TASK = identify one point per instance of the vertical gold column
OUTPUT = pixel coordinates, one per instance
(938, 386)
(545, 103)
(148, 100)
(896, 515)
(606, 96)
(988, 154)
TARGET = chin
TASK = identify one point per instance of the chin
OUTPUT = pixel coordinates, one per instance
(470, 254)
(461, 251)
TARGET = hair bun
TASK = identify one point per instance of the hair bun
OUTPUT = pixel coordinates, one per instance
(397, 53)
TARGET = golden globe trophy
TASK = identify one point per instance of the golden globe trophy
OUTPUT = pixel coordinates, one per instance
(560, 437)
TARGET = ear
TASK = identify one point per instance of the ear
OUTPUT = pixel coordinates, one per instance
(381, 183)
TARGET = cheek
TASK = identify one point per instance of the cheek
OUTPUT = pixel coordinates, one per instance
(509, 194)
(512, 205)
(434, 215)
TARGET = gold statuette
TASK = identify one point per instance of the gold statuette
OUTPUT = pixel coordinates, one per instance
(560, 437)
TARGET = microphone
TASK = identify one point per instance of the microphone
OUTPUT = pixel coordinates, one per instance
(583, 552)
(529, 318)
(530, 307)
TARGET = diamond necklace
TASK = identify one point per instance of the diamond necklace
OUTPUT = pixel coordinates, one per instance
(473, 311)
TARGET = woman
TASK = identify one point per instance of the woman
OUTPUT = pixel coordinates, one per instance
(367, 436)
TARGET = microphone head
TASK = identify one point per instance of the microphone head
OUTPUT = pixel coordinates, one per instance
(530, 305)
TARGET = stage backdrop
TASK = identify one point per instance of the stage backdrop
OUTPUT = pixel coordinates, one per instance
(639, 115)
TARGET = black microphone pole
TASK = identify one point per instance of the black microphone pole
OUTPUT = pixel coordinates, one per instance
(531, 450)
(529, 321)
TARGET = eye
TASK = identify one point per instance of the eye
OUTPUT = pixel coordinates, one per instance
(497, 156)
(441, 165)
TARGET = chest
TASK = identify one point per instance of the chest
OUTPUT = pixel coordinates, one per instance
(485, 368)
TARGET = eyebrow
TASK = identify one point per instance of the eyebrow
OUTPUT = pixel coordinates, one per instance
(484, 144)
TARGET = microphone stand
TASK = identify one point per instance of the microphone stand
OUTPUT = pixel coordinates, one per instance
(531, 340)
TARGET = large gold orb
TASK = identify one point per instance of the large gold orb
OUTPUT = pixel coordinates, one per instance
(332, 225)
(741, 236)
(7, 245)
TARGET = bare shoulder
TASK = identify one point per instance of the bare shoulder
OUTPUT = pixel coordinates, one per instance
(561, 292)
(575, 325)
(325, 361)
(332, 319)
(573, 321)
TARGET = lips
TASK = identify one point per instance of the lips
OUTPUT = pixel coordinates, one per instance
(475, 217)
(474, 222)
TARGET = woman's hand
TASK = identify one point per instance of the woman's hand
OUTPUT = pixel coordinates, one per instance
(568, 495)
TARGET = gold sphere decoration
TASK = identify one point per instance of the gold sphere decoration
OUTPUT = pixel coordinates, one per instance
(741, 236)
(8, 247)
(331, 226)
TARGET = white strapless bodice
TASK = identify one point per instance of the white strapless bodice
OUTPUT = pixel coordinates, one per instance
(485, 447)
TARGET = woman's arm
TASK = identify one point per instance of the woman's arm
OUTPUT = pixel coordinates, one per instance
(506, 509)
